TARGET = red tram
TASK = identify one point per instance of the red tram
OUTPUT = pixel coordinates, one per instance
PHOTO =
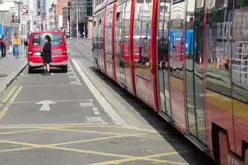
(204, 94)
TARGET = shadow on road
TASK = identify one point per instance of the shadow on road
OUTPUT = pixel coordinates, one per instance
(41, 70)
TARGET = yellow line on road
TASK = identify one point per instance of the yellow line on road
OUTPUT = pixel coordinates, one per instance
(9, 94)
(3, 112)
(96, 139)
(17, 149)
(78, 151)
(112, 162)
(23, 131)
(15, 95)
(128, 158)
(86, 131)
(12, 99)
(22, 143)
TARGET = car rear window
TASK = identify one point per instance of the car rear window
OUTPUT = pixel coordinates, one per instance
(39, 39)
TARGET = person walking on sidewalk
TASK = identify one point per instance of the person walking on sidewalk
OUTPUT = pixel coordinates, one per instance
(4, 45)
(16, 46)
(47, 55)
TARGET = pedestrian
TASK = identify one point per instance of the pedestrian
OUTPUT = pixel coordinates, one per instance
(16, 46)
(47, 55)
(4, 46)
(1, 45)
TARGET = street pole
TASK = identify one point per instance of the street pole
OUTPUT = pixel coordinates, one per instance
(2, 13)
(84, 28)
(77, 18)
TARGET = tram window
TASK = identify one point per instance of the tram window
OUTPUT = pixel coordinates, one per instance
(109, 32)
(240, 52)
(219, 48)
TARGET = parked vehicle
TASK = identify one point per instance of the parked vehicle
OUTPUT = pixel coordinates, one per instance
(59, 50)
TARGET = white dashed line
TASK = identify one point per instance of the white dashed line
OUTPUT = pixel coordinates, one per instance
(86, 104)
(117, 119)
(75, 83)
(96, 112)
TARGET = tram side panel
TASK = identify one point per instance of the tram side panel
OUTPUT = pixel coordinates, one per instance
(117, 46)
(176, 77)
(126, 57)
(239, 78)
(142, 40)
(108, 40)
(95, 43)
(100, 38)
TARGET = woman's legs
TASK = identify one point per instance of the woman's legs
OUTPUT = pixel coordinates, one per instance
(48, 68)
(45, 68)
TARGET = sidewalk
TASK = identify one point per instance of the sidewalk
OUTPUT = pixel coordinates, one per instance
(10, 67)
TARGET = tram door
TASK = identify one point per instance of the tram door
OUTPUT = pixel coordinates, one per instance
(119, 40)
(194, 71)
(163, 45)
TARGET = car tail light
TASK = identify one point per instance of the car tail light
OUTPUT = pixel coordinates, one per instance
(30, 53)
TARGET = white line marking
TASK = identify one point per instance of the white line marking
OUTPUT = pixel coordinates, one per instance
(97, 113)
(95, 109)
(73, 76)
(54, 85)
(48, 125)
(75, 83)
(27, 102)
(117, 119)
(95, 119)
(70, 72)
(86, 104)
(45, 105)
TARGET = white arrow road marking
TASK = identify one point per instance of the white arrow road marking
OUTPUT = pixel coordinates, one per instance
(45, 105)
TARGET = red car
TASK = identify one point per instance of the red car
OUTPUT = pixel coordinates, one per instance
(59, 50)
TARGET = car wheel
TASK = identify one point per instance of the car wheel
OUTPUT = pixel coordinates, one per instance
(30, 69)
(64, 69)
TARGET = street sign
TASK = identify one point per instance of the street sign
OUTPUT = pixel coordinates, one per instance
(23, 19)
(24, 9)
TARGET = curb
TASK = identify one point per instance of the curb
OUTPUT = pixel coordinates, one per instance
(12, 77)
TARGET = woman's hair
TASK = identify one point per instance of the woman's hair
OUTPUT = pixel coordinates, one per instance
(48, 38)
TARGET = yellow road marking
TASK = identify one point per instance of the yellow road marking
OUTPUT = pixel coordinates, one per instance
(96, 139)
(79, 151)
(9, 94)
(17, 149)
(15, 95)
(3, 112)
(86, 131)
(12, 99)
(89, 126)
(23, 131)
(148, 158)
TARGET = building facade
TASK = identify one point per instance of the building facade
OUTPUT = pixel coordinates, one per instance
(81, 13)
(65, 18)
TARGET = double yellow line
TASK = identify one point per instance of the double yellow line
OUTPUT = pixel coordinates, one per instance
(9, 99)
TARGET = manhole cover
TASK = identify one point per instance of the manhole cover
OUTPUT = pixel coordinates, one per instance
(3, 75)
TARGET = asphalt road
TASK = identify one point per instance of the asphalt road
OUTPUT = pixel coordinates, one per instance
(83, 117)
